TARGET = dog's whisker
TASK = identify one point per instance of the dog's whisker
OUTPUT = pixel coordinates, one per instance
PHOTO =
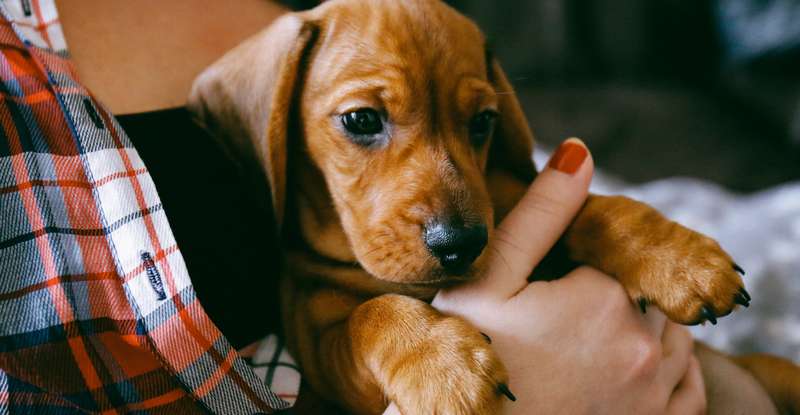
(377, 238)
(382, 235)
(372, 251)
(402, 269)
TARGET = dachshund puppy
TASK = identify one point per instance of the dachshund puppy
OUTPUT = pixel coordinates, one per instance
(392, 142)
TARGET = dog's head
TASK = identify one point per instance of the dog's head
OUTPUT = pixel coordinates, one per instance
(398, 109)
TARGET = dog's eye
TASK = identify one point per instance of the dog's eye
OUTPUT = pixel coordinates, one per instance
(481, 126)
(365, 121)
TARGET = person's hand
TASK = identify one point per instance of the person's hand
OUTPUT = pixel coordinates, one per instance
(575, 345)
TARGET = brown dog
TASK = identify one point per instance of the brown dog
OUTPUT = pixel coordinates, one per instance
(393, 143)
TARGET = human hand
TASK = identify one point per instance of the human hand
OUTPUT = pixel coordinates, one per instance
(575, 345)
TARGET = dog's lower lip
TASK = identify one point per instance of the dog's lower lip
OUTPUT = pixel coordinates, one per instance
(441, 281)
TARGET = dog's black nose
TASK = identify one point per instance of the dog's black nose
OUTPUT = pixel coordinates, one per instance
(455, 246)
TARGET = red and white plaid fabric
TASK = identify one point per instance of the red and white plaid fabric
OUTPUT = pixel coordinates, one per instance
(97, 311)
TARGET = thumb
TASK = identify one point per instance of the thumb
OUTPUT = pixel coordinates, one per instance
(539, 219)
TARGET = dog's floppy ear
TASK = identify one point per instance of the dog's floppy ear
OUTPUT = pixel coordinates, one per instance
(511, 150)
(510, 165)
(245, 98)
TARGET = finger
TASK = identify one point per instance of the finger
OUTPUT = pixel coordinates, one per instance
(655, 321)
(677, 349)
(690, 395)
(538, 220)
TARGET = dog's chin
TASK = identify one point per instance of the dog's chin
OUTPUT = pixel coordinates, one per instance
(436, 277)
(441, 281)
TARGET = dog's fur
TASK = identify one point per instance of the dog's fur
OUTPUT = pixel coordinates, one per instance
(358, 274)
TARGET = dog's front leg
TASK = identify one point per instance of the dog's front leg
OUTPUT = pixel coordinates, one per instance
(399, 349)
(686, 274)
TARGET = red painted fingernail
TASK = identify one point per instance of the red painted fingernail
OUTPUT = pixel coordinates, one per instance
(569, 157)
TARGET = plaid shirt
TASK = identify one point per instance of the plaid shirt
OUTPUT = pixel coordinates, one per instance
(97, 311)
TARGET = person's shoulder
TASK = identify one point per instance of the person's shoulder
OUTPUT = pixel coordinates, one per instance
(178, 39)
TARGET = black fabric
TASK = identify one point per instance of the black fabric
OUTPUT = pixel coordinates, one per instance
(223, 227)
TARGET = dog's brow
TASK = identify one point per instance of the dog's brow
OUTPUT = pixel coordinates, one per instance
(357, 90)
(474, 95)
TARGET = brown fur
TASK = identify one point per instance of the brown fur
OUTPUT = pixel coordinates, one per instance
(358, 275)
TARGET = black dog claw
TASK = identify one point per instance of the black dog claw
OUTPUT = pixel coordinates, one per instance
(737, 268)
(709, 315)
(744, 292)
(643, 305)
(740, 299)
(488, 339)
(503, 388)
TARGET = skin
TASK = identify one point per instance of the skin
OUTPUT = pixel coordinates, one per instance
(113, 40)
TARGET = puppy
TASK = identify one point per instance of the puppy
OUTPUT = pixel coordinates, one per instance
(392, 143)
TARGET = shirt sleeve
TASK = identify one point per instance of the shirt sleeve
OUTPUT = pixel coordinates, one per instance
(98, 312)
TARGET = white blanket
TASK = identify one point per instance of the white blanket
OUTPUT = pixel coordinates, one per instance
(762, 233)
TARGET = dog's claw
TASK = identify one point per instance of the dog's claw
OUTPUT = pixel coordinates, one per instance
(485, 336)
(745, 294)
(737, 268)
(643, 305)
(740, 299)
(503, 388)
(709, 315)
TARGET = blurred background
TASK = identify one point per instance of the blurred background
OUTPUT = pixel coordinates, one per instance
(701, 88)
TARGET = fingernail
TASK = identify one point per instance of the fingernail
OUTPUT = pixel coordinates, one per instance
(569, 157)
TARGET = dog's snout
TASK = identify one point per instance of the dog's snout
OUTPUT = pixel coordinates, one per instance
(455, 246)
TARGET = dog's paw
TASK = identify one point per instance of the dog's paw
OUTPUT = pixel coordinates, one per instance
(687, 275)
(453, 372)
(658, 261)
